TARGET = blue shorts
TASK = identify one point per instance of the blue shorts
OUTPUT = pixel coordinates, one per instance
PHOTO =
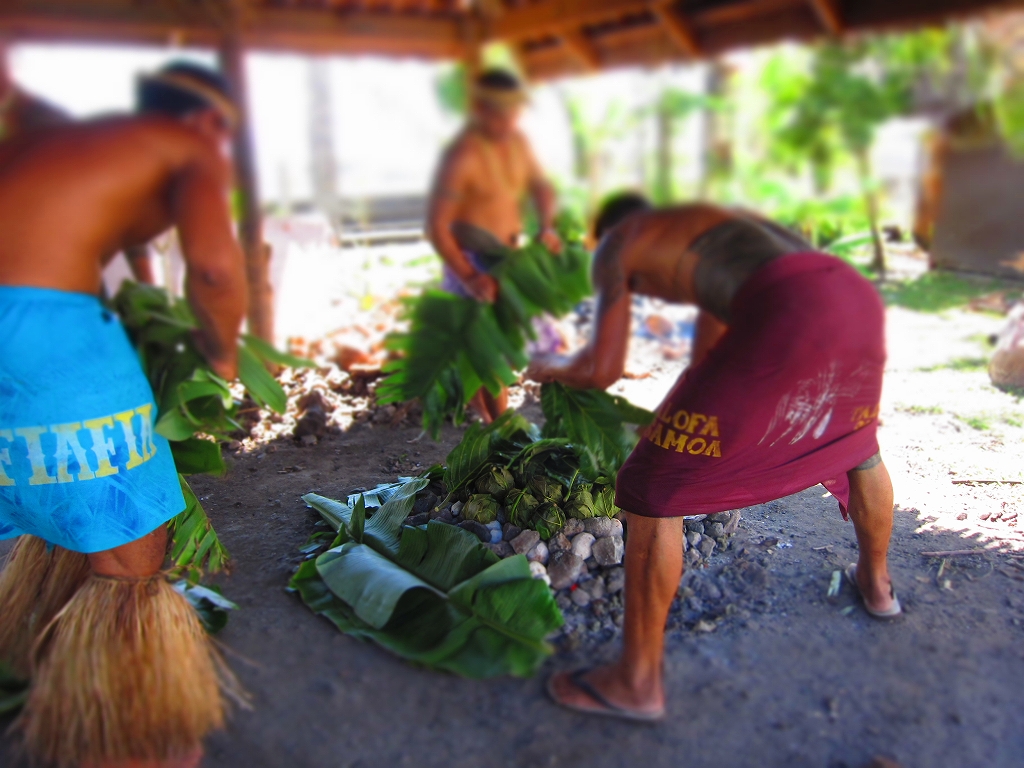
(80, 464)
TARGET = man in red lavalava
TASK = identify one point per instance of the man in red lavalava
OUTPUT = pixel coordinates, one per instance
(782, 394)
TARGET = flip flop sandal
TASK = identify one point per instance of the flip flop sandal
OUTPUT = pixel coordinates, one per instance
(893, 611)
(610, 709)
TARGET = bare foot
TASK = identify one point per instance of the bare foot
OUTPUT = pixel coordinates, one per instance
(876, 593)
(646, 701)
(191, 760)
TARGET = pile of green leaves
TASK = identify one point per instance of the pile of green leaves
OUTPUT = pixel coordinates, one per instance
(195, 407)
(432, 593)
(544, 478)
(457, 346)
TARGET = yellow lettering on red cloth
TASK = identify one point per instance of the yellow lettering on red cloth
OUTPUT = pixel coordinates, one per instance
(676, 431)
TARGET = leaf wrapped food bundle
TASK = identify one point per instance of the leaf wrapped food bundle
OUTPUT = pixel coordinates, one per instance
(497, 482)
(580, 505)
(604, 503)
(549, 520)
(482, 508)
(545, 488)
(521, 505)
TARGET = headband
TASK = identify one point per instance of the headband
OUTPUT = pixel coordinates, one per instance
(210, 95)
(502, 98)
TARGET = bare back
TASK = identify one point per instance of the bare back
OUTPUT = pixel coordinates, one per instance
(71, 197)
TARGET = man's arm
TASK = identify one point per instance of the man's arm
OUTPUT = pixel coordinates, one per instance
(215, 277)
(707, 333)
(448, 190)
(602, 361)
(141, 264)
(544, 198)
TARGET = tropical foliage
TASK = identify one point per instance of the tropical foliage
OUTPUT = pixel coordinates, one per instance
(195, 407)
(457, 346)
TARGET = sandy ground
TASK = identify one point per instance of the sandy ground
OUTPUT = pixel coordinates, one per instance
(786, 677)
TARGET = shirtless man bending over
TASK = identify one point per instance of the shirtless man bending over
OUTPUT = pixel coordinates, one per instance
(782, 394)
(121, 668)
(477, 197)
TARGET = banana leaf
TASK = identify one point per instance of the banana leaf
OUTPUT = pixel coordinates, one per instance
(195, 546)
(440, 598)
(209, 603)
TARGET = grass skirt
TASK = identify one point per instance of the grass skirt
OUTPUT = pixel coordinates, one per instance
(35, 584)
(124, 671)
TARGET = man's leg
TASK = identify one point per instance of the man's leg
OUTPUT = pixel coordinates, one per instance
(654, 566)
(487, 406)
(871, 505)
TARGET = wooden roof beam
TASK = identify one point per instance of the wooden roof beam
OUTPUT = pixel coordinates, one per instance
(678, 28)
(830, 16)
(554, 16)
(583, 49)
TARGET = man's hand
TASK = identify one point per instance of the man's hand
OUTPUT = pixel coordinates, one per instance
(223, 362)
(551, 240)
(545, 368)
(482, 287)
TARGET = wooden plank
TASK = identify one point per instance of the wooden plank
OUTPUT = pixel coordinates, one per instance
(269, 28)
(830, 15)
(250, 227)
(580, 47)
(553, 16)
(679, 29)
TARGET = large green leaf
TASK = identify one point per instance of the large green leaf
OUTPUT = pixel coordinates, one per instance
(195, 545)
(593, 421)
(268, 353)
(263, 387)
(195, 456)
(477, 448)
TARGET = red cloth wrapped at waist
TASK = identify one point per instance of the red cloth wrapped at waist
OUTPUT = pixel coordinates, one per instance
(787, 399)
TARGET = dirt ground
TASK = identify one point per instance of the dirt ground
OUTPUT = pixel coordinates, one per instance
(782, 677)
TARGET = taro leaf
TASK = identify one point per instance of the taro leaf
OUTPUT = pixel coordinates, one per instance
(258, 382)
(368, 581)
(175, 426)
(13, 691)
(208, 602)
(593, 421)
(268, 353)
(196, 456)
(194, 544)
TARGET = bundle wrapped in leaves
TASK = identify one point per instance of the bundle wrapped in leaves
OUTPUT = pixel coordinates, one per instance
(432, 594)
(457, 346)
(195, 407)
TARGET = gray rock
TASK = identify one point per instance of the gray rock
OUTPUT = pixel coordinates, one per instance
(564, 568)
(456, 508)
(539, 554)
(580, 597)
(538, 571)
(719, 517)
(558, 541)
(479, 530)
(693, 538)
(695, 527)
(421, 519)
(572, 527)
(695, 518)
(615, 581)
(609, 551)
(616, 527)
(496, 536)
(510, 531)
(425, 503)
(594, 587)
(525, 541)
(502, 549)
(446, 517)
(714, 530)
(734, 522)
(582, 545)
(691, 558)
(563, 600)
(599, 527)
(707, 546)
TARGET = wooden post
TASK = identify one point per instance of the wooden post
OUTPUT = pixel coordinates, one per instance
(250, 227)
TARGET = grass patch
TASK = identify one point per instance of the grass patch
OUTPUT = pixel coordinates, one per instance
(1013, 421)
(937, 291)
(932, 410)
(979, 423)
(971, 364)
